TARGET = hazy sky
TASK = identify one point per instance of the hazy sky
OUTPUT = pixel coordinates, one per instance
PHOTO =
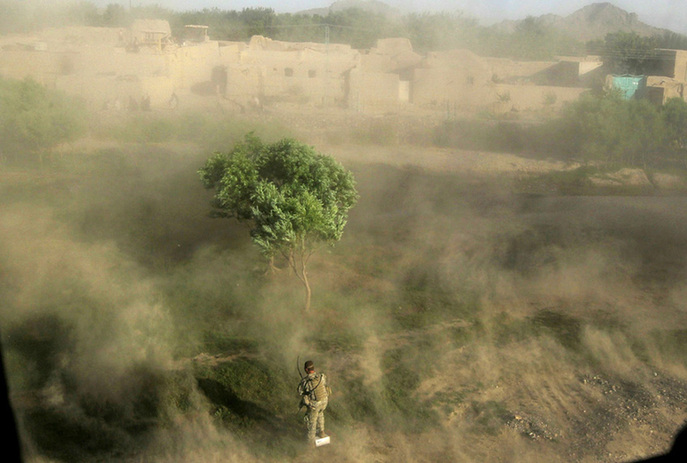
(671, 14)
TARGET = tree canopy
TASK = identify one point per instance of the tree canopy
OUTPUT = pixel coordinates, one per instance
(628, 52)
(295, 197)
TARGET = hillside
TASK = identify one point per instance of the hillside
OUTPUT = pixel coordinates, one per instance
(591, 22)
(372, 6)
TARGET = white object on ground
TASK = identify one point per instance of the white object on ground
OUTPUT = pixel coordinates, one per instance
(321, 441)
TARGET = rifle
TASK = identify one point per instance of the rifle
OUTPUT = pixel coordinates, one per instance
(298, 366)
(298, 369)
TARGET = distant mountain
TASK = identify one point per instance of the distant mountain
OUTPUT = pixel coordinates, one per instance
(592, 22)
(373, 6)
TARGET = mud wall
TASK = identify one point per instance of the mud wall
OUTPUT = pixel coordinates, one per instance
(94, 63)
(373, 91)
(507, 97)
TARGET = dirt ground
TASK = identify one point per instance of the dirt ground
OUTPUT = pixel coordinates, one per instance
(346, 135)
(534, 402)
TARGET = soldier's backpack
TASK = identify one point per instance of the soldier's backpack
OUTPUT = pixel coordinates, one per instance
(317, 388)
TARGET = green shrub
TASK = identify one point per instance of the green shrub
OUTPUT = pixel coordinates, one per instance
(595, 128)
(33, 118)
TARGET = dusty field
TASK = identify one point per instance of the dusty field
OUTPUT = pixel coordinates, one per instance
(605, 271)
(404, 141)
(444, 160)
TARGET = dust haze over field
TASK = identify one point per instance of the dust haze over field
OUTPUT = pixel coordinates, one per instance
(456, 320)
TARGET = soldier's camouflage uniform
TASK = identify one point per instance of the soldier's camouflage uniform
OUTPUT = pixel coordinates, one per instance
(314, 395)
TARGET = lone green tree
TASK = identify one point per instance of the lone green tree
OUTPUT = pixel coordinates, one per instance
(296, 198)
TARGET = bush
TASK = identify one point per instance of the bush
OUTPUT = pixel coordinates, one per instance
(594, 128)
(33, 118)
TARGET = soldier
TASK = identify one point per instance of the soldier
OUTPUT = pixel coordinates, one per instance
(314, 394)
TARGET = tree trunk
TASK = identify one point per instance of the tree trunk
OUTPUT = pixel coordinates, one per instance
(308, 291)
(272, 268)
(298, 266)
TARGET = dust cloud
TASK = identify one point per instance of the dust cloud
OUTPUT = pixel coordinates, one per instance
(89, 341)
(456, 320)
